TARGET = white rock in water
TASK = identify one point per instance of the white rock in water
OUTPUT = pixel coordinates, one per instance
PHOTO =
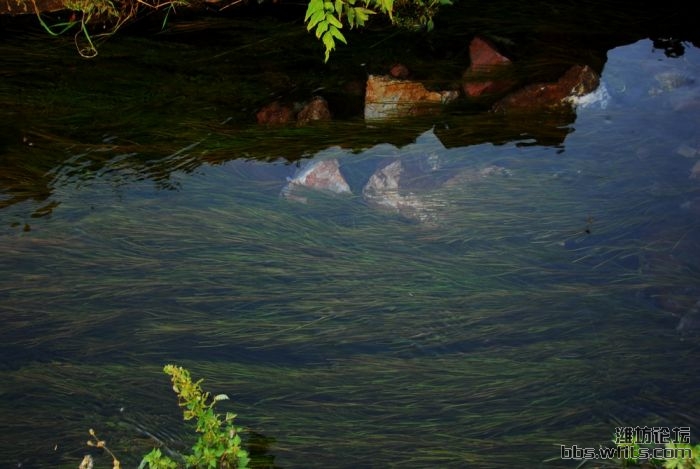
(323, 175)
(382, 190)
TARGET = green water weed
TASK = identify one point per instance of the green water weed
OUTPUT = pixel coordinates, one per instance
(219, 444)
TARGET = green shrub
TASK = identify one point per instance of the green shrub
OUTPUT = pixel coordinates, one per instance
(219, 444)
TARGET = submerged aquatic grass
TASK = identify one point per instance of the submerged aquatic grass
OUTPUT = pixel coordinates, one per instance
(523, 318)
(345, 331)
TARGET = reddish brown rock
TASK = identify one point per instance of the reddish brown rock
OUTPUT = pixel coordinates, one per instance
(315, 110)
(578, 81)
(486, 64)
(387, 97)
(275, 114)
(399, 71)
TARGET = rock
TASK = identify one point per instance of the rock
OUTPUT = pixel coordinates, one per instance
(576, 82)
(387, 97)
(486, 62)
(383, 191)
(275, 114)
(315, 110)
(321, 175)
(399, 71)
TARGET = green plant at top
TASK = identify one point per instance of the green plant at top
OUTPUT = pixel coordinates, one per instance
(219, 444)
(326, 17)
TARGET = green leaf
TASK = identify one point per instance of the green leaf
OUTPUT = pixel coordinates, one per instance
(363, 15)
(328, 41)
(387, 6)
(337, 34)
(321, 28)
(338, 7)
(316, 18)
(314, 6)
(334, 22)
(351, 17)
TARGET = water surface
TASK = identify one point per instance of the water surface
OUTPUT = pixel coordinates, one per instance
(538, 304)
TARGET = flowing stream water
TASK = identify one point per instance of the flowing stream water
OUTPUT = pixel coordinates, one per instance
(540, 290)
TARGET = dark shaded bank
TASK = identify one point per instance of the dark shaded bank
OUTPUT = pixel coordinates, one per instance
(198, 84)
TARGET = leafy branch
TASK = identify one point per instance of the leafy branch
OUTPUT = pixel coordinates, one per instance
(327, 17)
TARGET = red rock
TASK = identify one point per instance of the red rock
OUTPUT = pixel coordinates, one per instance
(579, 80)
(315, 110)
(275, 114)
(486, 61)
(386, 97)
(399, 71)
(484, 54)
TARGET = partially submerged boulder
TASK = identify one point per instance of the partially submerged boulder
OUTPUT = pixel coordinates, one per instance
(319, 175)
(387, 97)
(485, 73)
(578, 81)
(315, 110)
(275, 113)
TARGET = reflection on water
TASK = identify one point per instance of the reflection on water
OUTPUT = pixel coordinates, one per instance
(477, 304)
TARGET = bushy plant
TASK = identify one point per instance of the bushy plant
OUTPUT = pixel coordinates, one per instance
(219, 444)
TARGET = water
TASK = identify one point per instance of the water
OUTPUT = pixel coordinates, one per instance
(530, 296)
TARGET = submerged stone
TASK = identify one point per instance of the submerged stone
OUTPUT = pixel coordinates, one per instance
(383, 191)
(275, 113)
(486, 62)
(578, 81)
(321, 175)
(315, 110)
